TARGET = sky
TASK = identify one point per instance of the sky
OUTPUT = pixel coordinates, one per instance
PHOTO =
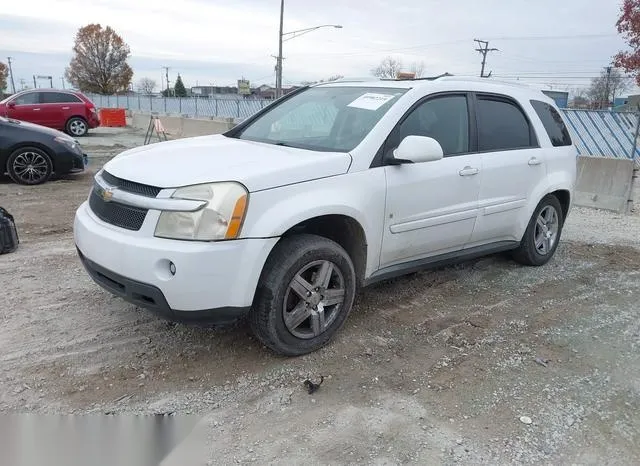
(548, 43)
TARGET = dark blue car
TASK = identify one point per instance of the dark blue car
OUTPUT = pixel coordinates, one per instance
(30, 154)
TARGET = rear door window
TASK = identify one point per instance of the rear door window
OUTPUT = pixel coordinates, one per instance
(502, 125)
(59, 98)
(553, 124)
(30, 98)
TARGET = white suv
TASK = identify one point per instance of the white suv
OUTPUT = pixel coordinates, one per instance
(329, 189)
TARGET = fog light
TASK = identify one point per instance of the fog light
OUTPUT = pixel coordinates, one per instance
(172, 268)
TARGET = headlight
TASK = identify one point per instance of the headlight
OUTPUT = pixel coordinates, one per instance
(70, 143)
(220, 219)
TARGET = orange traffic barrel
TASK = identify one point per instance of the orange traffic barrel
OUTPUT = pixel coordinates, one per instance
(113, 117)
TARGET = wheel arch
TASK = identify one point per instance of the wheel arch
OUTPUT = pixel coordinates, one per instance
(22, 145)
(343, 230)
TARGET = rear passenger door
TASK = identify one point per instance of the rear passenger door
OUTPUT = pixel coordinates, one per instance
(58, 107)
(513, 164)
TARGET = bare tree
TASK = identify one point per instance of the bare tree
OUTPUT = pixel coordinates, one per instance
(388, 68)
(417, 68)
(146, 85)
(4, 72)
(606, 87)
(99, 62)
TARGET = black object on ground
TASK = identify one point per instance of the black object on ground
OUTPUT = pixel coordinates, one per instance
(313, 387)
(8, 232)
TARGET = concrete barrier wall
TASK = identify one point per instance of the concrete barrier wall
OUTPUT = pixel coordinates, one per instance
(604, 183)
(182, 127)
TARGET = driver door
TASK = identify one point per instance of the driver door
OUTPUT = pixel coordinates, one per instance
(27, 107)
(431, 207)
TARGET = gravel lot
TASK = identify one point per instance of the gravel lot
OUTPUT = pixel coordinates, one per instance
(438, 367)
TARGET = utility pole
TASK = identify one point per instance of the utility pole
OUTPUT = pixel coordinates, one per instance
(35, 85)
(166, 71)
(279, 57)
(13, 86)
(484, 50)
(607, 84)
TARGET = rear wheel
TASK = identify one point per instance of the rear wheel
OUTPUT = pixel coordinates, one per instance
(541, 239)
(77, 127)
(305, 294)
(29, 166)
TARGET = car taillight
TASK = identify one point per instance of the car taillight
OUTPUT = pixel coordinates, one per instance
(92, 110)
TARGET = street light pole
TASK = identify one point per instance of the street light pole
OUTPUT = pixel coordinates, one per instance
(279, 59)
(293, 35)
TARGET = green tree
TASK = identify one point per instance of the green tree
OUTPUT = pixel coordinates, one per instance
(179, 89)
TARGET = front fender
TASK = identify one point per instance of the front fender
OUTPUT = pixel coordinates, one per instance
(360, 196)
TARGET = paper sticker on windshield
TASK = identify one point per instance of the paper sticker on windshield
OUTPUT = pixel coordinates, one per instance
(371, 101)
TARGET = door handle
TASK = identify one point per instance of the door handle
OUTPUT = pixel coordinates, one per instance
(534, 161)
(36, 109)
(65, 108)
(468, 171)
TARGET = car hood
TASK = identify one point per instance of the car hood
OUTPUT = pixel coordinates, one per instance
(207, 159)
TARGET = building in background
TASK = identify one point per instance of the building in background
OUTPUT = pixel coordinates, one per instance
(561, 98)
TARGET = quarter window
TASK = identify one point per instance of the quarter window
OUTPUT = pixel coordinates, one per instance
(553, 124)
(29, 98)
(59, 98)
(445, 119)
(501, 125)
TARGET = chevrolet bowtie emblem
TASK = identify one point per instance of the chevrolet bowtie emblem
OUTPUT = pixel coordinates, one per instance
(106, 194)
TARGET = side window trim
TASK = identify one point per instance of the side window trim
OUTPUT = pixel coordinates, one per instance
(377, 159)
(69, 98)
(534, 142)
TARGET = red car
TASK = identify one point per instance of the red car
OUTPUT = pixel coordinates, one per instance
(68, 111)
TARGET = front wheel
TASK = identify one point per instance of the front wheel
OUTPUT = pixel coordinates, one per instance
(542, 236)
(305, 294)
(29, 166)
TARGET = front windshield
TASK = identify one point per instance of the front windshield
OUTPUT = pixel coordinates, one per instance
(331, 119)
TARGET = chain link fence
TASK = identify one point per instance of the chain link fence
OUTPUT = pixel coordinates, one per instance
(191, 106)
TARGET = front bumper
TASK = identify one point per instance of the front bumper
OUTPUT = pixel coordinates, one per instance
(212, 281)
(68, 161)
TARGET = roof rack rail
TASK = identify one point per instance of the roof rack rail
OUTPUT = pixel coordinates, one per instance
(426, 78)
(485, 80)
(350, 80)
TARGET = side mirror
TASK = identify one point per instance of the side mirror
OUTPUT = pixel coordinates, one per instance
(417, 149)
(11, 105)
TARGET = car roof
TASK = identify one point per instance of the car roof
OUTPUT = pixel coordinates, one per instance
(447, 83)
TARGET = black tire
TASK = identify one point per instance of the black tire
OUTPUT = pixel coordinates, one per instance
(528, 253)
(77, 127)
(289, 259)
(29, 166)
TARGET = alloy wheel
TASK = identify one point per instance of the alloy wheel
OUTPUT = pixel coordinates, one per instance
(30, 167)
(546, 231)
(313, 299)
(78, 127)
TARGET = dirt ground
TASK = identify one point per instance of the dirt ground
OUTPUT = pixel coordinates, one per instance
(435, 368)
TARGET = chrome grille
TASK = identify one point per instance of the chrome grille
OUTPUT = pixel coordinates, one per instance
(130, 186)
(120, 215)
